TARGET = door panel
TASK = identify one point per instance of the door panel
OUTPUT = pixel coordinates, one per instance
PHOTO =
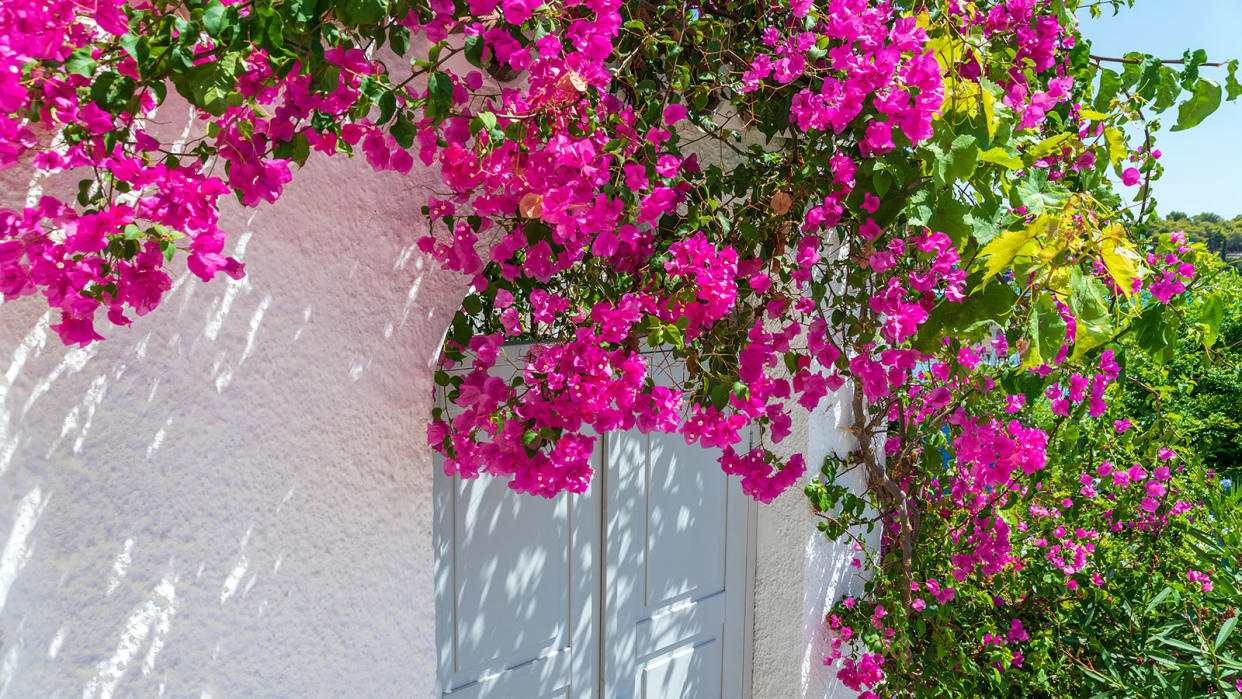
(517, 590)
(686, 514)
(677, 528)
(692, 671)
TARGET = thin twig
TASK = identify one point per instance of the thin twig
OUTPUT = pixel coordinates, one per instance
(1170, 61)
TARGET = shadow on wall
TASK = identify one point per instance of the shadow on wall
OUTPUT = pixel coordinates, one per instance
(232, 496)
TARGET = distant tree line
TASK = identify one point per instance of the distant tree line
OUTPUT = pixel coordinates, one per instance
(1223, 237)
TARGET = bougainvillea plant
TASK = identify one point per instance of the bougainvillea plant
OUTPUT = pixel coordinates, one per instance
(937, 205)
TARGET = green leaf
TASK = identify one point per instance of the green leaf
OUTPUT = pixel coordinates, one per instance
(1166, 660)
(270, 33)
(301, 149)
(672, 335)
(1192, 60)
(403, 131)
(791, 362)
(213, 101)
(305, 10)
(136, 47)
(388, 104)
(970, 319)
(1150, 330)
(1097, 676)
(440, 87)
(1210, 317)
(1110, 84)
(1049, 330)
(361, 12)
(399, 39)
(1164, 594)
(1037, 194)
(213, 17)
(1226, 629)
(487, 120)
(112, 91)
(1232, 87)
(1148, 76)
(952, 218)
(81, 63)
(1089, 302)
(920, 207)
(960, 162)
(474, 50)
(1204, 101)
(1178, 644)
(84, 191)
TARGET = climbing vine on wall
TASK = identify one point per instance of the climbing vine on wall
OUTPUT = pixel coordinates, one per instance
(938, 206)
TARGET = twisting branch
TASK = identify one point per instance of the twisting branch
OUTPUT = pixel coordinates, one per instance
(1169, 61)
(890, 494)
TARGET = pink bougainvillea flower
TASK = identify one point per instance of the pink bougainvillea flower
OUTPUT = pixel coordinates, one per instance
(674, 113)
(871, 203)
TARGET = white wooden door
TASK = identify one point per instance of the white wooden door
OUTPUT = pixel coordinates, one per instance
(637, 588)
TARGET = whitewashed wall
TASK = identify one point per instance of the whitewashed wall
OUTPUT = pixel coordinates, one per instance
(232, 497)
(799, 573)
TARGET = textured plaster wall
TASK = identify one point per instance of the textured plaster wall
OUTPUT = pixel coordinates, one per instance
(232, 496)
(799, 574)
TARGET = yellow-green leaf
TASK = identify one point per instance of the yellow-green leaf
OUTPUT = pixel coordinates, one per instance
(1006, 246)
(1116, 145)
(989, 111)
(1211, 316)
(998, 156)
(1050, 144)
(1120, 259)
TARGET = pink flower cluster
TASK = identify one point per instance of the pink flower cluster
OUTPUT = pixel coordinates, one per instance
(885, 64)
(1176, 270)
(567, 388)
(1030, 27)
(1200, 578)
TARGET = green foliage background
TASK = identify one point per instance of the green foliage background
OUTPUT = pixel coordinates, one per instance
(1198, 389)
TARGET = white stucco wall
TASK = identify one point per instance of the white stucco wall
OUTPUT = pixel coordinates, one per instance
(799, 573)
(232, 496)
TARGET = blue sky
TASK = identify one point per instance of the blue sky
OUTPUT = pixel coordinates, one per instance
(1202, 166)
